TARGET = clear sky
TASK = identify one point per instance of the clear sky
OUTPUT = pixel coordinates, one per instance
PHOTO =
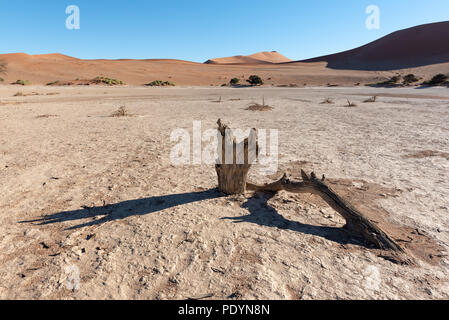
(197, 30)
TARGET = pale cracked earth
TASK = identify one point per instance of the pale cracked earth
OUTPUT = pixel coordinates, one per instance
(107, 202)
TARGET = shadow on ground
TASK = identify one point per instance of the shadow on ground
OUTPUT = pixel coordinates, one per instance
(260, 212)
(125, 209)
(263, 214)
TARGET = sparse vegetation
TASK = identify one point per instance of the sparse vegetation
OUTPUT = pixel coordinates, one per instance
(351, 104)
(439, 79)
(327, 101)
(259, 107)
(21, 94)
(371, 99)
(255, 80)
(1, 79)
(160, 83)
(218, 100)
(107, 81)
(121, 112)
(409, 79)
(22, 82)
(234, 81)
(45, 116)
(392, 82)
(53, 83)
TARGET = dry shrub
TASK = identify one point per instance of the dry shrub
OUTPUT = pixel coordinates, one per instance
(121, 112)
(259, 107)
(351, 104)
(371, 99)
(327, 101)
(44, 116)
(21, 94)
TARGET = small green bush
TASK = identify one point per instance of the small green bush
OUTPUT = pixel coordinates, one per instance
(437, 80)
(160, 83)
(255, 80)
(392, 82)
(53, 83)
(108, 81)
(410, 78)
(22, 82)
(234, 81)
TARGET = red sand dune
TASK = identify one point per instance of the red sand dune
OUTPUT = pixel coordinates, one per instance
(414, 47)
(257, 58)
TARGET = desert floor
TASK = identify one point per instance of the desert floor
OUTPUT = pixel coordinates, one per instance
(81, 190)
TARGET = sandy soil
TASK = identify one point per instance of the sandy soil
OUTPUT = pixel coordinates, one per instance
(105, 198)
(49, 68)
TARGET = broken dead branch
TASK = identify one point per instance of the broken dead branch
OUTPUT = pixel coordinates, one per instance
(355, 221)
(232, 179)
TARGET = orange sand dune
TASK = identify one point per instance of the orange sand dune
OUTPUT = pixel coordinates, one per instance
(257, 58)
(43, 69)
(421, 50)
(414, 47)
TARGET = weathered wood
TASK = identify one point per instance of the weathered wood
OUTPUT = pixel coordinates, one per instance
(232, 175)
(232, 179)
(355, 221)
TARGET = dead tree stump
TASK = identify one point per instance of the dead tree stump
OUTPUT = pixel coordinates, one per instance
(234, 160)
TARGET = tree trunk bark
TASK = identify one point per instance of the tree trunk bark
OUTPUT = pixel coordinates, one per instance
(234, 160)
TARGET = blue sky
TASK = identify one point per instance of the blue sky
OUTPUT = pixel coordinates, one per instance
(197, 30)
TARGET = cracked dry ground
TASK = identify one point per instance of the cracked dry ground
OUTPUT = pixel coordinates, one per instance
(82, 189)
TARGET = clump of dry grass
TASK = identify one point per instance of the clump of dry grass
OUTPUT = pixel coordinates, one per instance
(371, 99)
(327, 101)
(42, 116)
(218, 100)
(259, 107)
(21, 94)
(121, 112)
(351, 104)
